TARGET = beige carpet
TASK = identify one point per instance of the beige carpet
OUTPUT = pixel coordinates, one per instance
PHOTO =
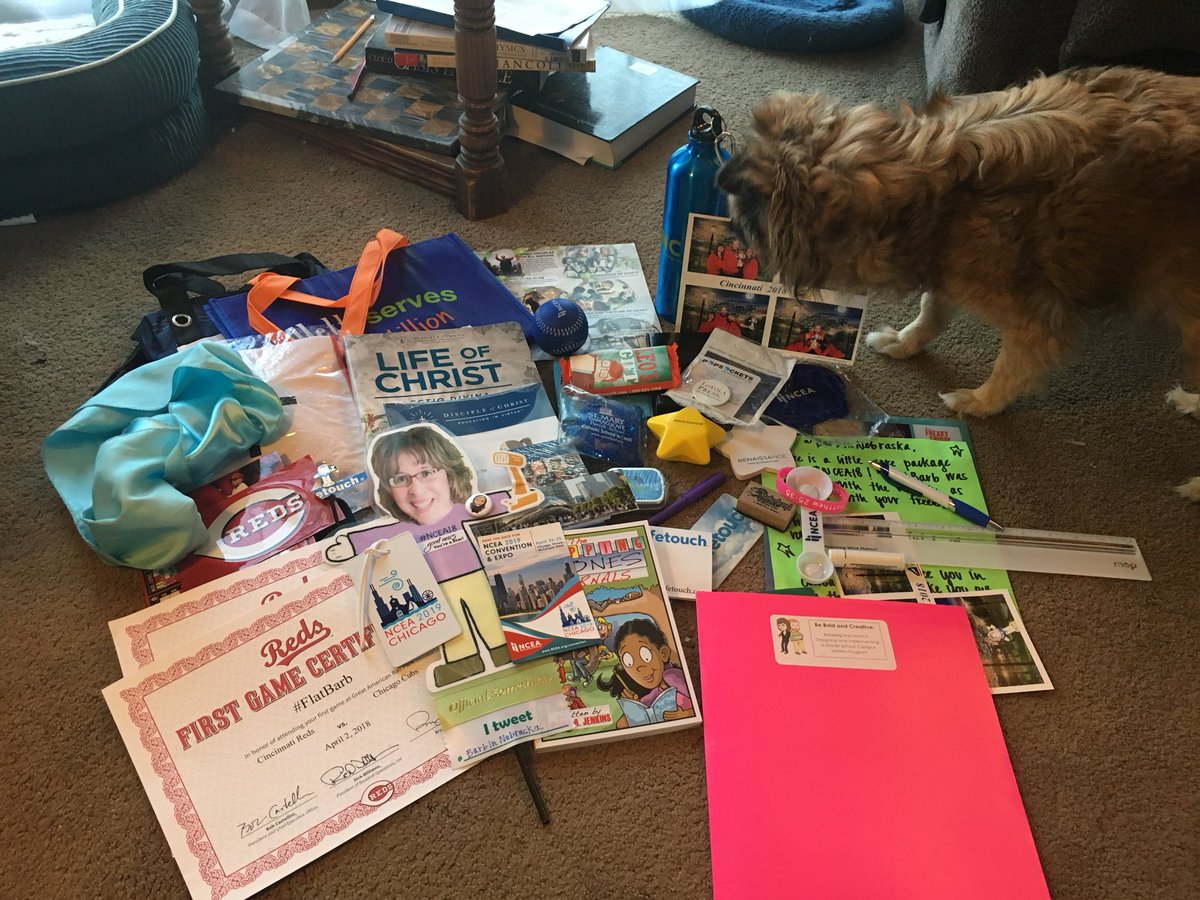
(1106, 763)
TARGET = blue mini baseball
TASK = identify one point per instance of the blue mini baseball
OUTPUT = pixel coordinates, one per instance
(560, 327)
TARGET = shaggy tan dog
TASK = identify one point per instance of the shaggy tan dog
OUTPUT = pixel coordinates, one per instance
(1030, 207)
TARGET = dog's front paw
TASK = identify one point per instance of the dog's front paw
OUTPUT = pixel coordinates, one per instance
(969, 402)
(1190, 490)
(1184, 401)
(890, 342)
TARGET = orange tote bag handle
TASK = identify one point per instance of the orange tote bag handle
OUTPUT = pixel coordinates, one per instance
(364, 288)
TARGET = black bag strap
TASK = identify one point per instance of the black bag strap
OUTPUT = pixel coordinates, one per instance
(177, 285)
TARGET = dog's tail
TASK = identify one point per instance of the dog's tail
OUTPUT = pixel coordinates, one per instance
(1042, 130)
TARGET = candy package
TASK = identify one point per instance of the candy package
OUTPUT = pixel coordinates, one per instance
(623, 370)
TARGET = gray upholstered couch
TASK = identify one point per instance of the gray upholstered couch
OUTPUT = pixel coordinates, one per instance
(983, 45)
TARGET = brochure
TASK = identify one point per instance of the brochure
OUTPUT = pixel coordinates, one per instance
(605, 279)
(543, 610)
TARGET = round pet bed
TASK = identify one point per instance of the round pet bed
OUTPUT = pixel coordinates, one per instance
(802, 26)
(117, 166)
(138, 63)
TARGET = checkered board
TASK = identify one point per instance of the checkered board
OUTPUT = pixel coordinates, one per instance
(299, 79)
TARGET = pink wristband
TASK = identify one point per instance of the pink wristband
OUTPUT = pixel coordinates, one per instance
(840, 495)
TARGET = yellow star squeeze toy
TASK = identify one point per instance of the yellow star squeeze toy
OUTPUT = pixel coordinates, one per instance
(685, 436)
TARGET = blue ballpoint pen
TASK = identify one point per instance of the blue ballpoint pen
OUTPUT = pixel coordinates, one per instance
(902, 479)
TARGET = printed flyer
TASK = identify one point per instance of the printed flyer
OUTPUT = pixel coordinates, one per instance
(722, 287)
(605, 279)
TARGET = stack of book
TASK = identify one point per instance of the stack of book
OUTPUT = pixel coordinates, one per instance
(533, 40)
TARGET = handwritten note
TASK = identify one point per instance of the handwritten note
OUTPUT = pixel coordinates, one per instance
(946, 465)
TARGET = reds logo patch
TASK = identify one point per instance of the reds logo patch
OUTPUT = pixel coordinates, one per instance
(256, 524)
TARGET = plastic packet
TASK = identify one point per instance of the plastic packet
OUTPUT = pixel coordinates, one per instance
(602, 427)
(322, 418)
(821, 400)
(733, 380)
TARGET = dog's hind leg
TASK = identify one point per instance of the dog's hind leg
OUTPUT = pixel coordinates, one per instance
(936, 313)
(1185, 401)
(1027, 355)
(1179, 398)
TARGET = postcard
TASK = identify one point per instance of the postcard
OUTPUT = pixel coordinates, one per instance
(723, 287)
(322, 743)
(542, 606)
(637, 681)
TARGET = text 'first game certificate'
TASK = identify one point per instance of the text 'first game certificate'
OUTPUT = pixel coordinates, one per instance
(278, 739)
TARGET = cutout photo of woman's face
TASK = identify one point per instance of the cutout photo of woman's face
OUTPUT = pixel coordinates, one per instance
(421, 491)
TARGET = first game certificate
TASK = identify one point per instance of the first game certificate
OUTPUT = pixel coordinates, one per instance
(277, 740)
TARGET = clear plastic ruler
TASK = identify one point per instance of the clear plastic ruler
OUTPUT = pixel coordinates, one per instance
(970, 547)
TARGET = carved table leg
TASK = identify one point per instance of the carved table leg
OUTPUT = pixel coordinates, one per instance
(216, 46)
(480, 183)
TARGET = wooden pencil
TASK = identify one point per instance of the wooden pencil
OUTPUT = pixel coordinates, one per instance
(345, 48)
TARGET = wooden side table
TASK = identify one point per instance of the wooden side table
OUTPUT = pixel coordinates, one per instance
(479, 182)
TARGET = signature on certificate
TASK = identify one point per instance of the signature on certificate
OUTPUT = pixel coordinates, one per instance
(420, 722)
(339, 773)
(277, 811)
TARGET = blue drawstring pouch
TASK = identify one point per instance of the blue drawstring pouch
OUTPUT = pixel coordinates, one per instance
(124, 458)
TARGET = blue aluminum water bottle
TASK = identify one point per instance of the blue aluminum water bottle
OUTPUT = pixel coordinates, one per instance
(691, 188)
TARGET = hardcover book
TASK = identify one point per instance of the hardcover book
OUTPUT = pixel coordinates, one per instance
(299, 79)
(400, 63)
(636, 681)
(448, 364)
(411, 34)
(554, 25)
(604, 115)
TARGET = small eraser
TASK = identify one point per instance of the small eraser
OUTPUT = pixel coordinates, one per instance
(764, 505)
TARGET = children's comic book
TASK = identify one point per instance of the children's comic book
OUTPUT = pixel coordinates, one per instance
(636, 681)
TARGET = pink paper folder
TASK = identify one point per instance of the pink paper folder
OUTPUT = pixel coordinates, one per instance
(854, 752)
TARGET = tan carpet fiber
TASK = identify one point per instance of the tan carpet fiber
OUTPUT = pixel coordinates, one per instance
(1106, 763)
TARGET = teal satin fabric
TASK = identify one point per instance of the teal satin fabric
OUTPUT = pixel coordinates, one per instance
(121, 462)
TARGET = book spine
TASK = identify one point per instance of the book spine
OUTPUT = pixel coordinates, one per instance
(387, 63)
(530, 65)
(425, 43)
